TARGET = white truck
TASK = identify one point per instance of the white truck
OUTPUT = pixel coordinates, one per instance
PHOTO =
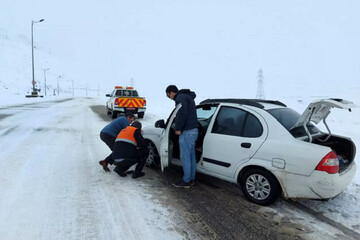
(124, 100)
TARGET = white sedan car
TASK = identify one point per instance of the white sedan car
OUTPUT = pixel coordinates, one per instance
(265, 147)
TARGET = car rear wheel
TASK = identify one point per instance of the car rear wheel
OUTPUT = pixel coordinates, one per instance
(260, 186)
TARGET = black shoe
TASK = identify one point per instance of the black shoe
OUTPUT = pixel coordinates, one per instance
(182, 184)
(104, 165)
(137, 175)
(121, 174)
(193, 182)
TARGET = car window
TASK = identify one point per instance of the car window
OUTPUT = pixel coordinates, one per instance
(134, 94)
(285, 116)
(237, 122)
(253, 127)
(204, 115)
(127, 93)
(300, 131)
(288, 117)
(205, 112)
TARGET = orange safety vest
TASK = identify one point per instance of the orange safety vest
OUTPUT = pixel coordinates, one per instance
(127, 135)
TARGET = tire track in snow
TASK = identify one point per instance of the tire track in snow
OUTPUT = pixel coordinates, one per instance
(321, 217)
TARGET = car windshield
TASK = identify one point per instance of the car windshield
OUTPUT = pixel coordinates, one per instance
(288, 117)
(205, 112)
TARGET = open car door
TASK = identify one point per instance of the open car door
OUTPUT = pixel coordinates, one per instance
(165, 145)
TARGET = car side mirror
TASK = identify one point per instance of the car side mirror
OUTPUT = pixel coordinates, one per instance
(107, 95)
(160, 123)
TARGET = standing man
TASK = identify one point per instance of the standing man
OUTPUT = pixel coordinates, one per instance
(186, 126)
(109, 133)
(130, 148)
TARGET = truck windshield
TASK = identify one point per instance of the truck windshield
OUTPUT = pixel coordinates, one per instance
(288, 117)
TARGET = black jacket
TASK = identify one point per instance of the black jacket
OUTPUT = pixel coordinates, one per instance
(128, 150)
(186, 117)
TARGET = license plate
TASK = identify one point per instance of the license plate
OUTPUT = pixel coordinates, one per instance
(130, 108)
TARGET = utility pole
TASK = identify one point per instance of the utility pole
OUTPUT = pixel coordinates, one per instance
(34, 91)
(58, 87)
(260, 90)
(46, 69)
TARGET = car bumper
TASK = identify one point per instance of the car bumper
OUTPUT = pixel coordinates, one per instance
(124, 110)
(319, 185)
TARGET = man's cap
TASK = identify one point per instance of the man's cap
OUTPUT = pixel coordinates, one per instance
(136, 124)
(171, 88)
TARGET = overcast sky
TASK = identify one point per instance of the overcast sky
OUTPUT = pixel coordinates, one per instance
(206, 45)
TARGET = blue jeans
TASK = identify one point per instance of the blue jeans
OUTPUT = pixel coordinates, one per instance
(187, 153)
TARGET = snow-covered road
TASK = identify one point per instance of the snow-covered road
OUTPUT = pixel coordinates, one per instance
(51, 186)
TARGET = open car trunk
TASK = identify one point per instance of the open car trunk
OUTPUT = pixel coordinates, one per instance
(343, 147)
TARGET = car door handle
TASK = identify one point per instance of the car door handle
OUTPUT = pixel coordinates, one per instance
(246, 145)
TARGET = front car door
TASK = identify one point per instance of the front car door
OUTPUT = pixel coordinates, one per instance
(165, 144)
(233, 137)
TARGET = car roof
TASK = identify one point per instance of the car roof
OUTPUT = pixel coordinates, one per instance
(259, 103)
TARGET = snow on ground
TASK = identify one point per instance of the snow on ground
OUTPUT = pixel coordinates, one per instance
(53, 170)
(52, 187)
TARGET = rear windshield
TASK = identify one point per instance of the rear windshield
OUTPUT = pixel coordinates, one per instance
(126, 93)
(288, 117)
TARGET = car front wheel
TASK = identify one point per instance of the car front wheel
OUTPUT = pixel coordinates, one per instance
(260, 186)
(153, 158)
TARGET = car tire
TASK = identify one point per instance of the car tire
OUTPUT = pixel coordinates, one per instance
(153, 159)
(140, 115)
(114, 114)
(260, 186)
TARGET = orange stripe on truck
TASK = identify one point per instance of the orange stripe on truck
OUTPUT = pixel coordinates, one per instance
(120, 101)
(131, 102)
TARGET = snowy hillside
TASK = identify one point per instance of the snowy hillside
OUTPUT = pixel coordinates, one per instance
(16, 69)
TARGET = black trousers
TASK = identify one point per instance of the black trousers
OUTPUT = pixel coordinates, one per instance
(141, 156)
(109, 141)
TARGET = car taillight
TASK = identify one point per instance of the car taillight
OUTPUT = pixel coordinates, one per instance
(329, 164)
(116, 101)
(144, 102)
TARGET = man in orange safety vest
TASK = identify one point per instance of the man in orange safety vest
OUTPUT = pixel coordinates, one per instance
(130, 148)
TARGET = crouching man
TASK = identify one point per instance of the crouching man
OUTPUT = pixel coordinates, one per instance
(130, 148)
